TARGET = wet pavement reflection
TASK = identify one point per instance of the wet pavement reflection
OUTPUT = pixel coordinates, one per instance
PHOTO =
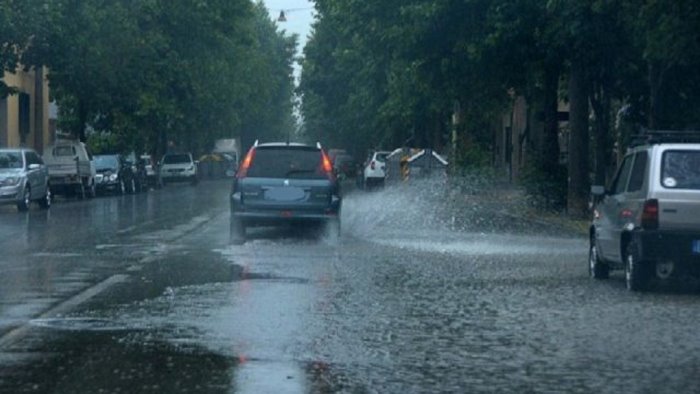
(400, 304)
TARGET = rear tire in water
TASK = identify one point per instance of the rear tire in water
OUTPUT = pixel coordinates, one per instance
(637, 273)
(597, 269)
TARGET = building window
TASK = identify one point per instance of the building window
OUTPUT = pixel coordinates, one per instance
(24, 106)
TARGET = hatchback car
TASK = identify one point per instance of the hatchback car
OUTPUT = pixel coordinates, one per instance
(23, 178)
(279, 183)
(178, 167)
(648, 221)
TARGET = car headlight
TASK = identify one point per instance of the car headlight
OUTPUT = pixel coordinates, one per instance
(113, 177)
(10, 181)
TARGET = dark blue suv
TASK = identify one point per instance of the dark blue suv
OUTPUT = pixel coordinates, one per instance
(280, 183)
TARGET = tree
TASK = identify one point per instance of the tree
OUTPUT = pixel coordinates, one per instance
(153, 73)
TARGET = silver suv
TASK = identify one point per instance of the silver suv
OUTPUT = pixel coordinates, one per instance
(648, 221)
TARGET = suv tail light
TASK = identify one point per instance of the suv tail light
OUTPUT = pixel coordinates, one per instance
(245, 165)
(650, 215)
(326, 165)
(372, 165)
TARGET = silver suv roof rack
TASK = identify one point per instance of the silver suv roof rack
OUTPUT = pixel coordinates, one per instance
(650, 137)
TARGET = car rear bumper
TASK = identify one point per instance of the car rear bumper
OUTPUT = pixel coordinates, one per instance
(61, 180)
(679, 247)
(279, 215)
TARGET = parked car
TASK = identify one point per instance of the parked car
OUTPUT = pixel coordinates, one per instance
(115, 175)
(648, 221)
(374, 170)
(178, 167)
(151, 173)
(71, 171)
(23, 178)
(280, 183)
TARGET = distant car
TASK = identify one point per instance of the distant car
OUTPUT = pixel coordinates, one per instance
(648, 221)
(280, 183)
(23, 178)
(178, 167)
(114, 174)
(344, 166)
(374, 171)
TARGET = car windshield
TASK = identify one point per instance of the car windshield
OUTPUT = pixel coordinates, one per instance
(177, 159)
(283, 162)
(680, 169)
(106, 162)
(10, 160)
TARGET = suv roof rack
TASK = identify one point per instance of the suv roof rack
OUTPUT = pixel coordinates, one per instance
(650, 137)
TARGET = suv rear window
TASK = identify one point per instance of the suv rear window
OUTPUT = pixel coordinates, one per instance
(680, 169)
(285, 162)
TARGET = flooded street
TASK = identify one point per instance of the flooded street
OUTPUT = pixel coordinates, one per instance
(144, 294)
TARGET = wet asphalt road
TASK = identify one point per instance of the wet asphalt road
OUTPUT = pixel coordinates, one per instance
(143, 294)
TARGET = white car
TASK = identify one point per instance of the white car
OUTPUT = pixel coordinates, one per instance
(178, 167)
(374, 171)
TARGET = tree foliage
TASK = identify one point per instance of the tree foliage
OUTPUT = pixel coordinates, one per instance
(388, 73)
(153, 73)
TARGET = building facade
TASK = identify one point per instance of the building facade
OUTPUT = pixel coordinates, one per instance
(24, 116)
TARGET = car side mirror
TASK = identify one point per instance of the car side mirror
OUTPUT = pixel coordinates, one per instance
(33, 167)
(597, 194)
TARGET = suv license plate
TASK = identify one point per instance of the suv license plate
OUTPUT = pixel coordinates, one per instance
(696, 246)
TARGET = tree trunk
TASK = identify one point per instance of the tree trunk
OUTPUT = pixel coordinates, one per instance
(600, 102)
(578, 185)
(82, 121)
(549, 143)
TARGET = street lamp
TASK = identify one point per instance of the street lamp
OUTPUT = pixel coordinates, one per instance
(283, 13)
